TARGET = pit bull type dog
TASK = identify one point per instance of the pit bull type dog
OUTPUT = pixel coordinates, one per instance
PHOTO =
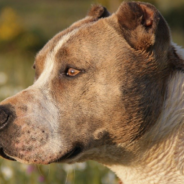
(109, 88)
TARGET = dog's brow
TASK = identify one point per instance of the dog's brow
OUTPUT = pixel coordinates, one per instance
(63, 40)
(49, 62)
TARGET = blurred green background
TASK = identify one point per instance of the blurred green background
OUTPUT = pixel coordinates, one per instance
(25, 26)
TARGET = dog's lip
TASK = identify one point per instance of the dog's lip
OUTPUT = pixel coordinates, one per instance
(70, 154)
(4, 155)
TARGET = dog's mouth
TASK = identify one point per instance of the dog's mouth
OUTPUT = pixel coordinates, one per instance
(71, 154)
(4, 155)
(68, 156)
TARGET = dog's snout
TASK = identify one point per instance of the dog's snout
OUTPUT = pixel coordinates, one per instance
(6, 115)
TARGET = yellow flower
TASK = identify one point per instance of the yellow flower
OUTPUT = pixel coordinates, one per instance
(10, 26)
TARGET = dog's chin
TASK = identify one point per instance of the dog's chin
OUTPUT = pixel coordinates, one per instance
(70, 155)
(4, 155)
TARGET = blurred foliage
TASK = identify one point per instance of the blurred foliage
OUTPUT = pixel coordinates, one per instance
(10, 26)
(14, 35)
(25, 26)
(175, 17)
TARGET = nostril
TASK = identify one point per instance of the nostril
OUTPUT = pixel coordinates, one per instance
(3, 118)
(6, 115)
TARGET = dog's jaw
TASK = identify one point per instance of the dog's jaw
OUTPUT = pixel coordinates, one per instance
(161, 159)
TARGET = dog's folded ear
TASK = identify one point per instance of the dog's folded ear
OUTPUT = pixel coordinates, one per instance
(141, 25)
(98, 11)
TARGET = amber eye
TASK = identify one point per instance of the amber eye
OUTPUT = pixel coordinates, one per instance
(71, 72)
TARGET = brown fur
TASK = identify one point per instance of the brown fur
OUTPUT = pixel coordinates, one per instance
(125, 61)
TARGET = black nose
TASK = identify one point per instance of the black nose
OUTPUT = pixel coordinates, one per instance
(7, 115)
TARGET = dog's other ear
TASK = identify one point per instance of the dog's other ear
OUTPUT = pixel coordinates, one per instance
(176, 57)
(142, 25)
(98, 11)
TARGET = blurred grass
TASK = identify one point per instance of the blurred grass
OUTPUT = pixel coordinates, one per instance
(18, 71)
(38, 21)
(85, 173)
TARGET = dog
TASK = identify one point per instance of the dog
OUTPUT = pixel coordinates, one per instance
(109, 88)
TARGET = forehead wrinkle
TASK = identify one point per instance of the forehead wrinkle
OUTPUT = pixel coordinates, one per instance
(64, 40)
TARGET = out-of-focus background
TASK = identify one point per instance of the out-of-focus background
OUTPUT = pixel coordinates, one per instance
(25, 26)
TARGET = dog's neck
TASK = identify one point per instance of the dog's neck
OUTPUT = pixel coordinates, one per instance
(160, 153)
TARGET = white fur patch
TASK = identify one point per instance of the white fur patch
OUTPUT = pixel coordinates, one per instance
(49, 63)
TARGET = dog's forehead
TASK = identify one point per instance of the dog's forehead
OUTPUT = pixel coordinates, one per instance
(52, 44)
(80, 36)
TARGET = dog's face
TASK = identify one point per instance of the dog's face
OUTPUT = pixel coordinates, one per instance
(99, 84)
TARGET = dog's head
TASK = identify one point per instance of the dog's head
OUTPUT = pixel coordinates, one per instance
(99, 86)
